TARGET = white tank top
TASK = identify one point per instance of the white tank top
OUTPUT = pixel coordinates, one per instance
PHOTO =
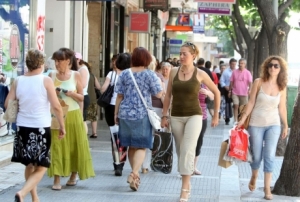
(265, 111)
(34, 107)
(85, 89)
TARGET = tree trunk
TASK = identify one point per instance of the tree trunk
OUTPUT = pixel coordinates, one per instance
(288, 181)
(250, 56)
(278, 39)
(261, 51)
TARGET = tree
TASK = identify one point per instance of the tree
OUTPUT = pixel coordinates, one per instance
(288, 182)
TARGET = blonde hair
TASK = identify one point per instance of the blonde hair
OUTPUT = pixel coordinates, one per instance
(192, 48)
(34, 59)
(152, 64)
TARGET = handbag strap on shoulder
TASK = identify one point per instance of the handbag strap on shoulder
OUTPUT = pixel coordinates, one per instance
(112, 82)
(138, 89)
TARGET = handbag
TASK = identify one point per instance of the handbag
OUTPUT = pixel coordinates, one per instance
(12, 109)
(224, 163)
(105, 97)
(238, 147)
(54, 121)
(119, 152)
(242, 110)
(153, 117)
(162, 152)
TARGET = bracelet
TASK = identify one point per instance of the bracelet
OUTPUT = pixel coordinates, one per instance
(164, 117)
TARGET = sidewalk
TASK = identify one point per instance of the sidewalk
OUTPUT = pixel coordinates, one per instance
(215, 184)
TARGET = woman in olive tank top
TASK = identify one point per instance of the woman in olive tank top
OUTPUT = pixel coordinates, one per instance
(186, 114)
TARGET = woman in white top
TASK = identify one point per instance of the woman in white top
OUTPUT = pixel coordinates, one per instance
(33, 138)
(268, 120)
(85, 77)
(120, 63)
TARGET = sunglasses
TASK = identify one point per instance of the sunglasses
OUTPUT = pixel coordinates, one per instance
(60, 89)
(190, 44)
(276, 66)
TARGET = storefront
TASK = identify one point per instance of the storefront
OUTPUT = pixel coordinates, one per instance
(16, 17)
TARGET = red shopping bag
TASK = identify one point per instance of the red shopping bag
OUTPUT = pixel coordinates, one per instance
(238, 144)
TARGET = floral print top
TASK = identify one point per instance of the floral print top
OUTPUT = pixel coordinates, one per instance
(132, 107)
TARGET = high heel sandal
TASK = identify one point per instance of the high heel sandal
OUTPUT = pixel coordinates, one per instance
(130, 177)
(135, 183)
(252, 186)
(268, 196)
(185, 199)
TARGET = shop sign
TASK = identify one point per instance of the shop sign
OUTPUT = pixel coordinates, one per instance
(199, 24)
(139, 22)
(122, 2)
(214, 8)
(183, 19)
(26, 44)
(40, 28)
(217, 1)
(175, 42)
(174, 49)
(156, 5)
(1, 59)
(14, 46)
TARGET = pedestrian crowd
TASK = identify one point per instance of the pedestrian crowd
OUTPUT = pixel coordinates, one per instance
(182, 92)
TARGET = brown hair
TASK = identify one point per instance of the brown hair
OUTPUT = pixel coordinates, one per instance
(64, 54)
(282, 76)
(192, 48)
(140, 57)
(34, 59)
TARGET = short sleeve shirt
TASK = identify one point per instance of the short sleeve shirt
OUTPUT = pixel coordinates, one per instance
(132, 107)
(241, 81)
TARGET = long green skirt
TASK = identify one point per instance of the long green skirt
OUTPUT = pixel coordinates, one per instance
(72, 153)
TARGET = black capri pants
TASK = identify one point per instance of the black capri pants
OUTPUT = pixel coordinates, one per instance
(200, 138)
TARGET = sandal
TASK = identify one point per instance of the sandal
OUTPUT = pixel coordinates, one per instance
(135, 183)
(196, 172)
(268, 196)
(71, 182)
(18, 198)
(251, 185)
(130, 178)
(184, 199)
(94, 135)
(56, 187)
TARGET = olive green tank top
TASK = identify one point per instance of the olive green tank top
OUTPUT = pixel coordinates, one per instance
(185, 96)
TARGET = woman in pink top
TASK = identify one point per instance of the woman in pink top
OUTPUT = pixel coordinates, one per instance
(203, 93)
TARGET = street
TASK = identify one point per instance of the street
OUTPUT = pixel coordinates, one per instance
(215, 184)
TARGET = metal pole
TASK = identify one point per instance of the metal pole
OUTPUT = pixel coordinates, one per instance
(275, 7)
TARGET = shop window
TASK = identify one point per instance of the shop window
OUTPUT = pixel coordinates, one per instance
(14, 42)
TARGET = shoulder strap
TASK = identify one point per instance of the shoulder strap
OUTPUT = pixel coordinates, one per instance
(258, 87)
(173, 76)
(16, 84)
(137, 88)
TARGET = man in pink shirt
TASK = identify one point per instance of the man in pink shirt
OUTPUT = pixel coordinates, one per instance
(240, 86)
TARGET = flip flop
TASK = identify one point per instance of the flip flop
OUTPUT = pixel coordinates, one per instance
(71, 183)
(17, 198)
(56, 187)
(94, 135)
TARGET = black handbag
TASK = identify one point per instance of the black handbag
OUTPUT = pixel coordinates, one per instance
(162, 152)
(105, 97)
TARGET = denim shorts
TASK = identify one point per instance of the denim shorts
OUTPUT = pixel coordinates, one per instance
(136, 133)
(263, 144)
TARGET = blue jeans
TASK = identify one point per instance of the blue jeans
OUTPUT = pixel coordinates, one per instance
(263, 143)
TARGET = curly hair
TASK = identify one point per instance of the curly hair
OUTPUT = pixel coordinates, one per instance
(282, 76)
(34, 59)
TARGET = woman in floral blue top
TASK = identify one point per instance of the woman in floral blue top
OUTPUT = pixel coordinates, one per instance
(135, 130)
